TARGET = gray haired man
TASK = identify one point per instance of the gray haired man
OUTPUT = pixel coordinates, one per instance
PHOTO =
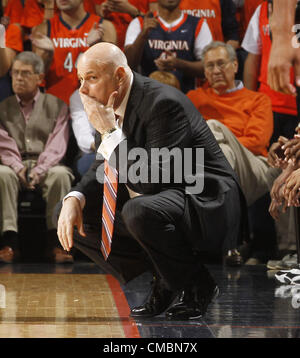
(34, 135)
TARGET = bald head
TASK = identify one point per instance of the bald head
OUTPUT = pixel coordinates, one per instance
(105, 53)
(103, 69)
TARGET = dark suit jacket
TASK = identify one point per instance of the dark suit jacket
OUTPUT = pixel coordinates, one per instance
(159, 116)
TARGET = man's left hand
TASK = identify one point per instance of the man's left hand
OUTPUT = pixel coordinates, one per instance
(35, 179)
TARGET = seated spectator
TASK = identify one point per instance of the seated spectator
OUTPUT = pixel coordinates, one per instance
(170, 41)
(121, 13)
(11, 43)
(84, 133)
(70, 34)
(220, 17)
(165, 77)
(241, 120)
(34, 131)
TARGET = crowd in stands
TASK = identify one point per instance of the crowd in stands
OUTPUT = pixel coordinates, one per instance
(214, 51)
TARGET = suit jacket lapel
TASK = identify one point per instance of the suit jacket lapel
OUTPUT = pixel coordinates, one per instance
(134, 100)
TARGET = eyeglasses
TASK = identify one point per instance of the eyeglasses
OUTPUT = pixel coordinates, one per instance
(24, 74)
(221, 65)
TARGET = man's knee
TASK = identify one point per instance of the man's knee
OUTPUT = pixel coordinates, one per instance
(136, 213)
(60, 171)
(60, 175)
(7, 175)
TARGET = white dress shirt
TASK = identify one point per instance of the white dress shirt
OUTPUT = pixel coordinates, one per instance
(83, 130)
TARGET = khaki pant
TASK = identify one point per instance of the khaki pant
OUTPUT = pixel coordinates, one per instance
(253, 171)
(55, 185)
(256, 178)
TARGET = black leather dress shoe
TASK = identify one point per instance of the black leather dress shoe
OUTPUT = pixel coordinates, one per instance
(192, 304)
(157, 302)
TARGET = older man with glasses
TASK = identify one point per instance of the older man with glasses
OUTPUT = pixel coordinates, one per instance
(34, 132)
(241, 120)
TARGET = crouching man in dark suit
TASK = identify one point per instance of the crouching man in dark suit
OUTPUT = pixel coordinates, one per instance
(168, 207)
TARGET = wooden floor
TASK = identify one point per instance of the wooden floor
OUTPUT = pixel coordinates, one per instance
(80, 301)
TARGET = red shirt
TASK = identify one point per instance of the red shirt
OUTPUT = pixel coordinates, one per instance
(14, 10)
(33, 13)
(122, 20)
(14, 38)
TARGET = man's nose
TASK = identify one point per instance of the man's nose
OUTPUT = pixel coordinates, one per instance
(216, 69)
(83, 88)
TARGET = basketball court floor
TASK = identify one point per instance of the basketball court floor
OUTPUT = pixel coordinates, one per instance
(40, 300)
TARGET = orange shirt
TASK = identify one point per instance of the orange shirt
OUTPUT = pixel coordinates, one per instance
(246, 113)
(33, 13)
(122, 20)
(14, 10)
(208, 9)
(14, 38)
(61, 79)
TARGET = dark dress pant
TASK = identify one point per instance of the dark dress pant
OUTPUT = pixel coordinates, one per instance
(149, 235)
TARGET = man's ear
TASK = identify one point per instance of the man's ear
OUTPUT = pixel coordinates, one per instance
(236, 66)
(41, 78)
(120, 75)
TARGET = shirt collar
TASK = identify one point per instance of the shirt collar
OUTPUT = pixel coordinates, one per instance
(238, 85)
(172, 24)
(35, 98)
(120, 111)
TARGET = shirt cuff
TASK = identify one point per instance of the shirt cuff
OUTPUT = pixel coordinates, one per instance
(17, 167)
(109, 144)
(78, 195)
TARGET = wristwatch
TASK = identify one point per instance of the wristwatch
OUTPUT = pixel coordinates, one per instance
(107, 133)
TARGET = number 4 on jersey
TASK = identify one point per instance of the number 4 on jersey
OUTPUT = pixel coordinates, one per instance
(68, 64)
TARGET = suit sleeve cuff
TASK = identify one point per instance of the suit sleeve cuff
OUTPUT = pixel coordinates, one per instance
(78, 195)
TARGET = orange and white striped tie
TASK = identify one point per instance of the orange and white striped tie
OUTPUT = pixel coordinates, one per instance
(110, 187)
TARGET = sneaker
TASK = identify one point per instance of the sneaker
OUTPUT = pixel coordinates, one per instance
(291, 277)
(284, 291)
(274, 265)
(289, 261)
